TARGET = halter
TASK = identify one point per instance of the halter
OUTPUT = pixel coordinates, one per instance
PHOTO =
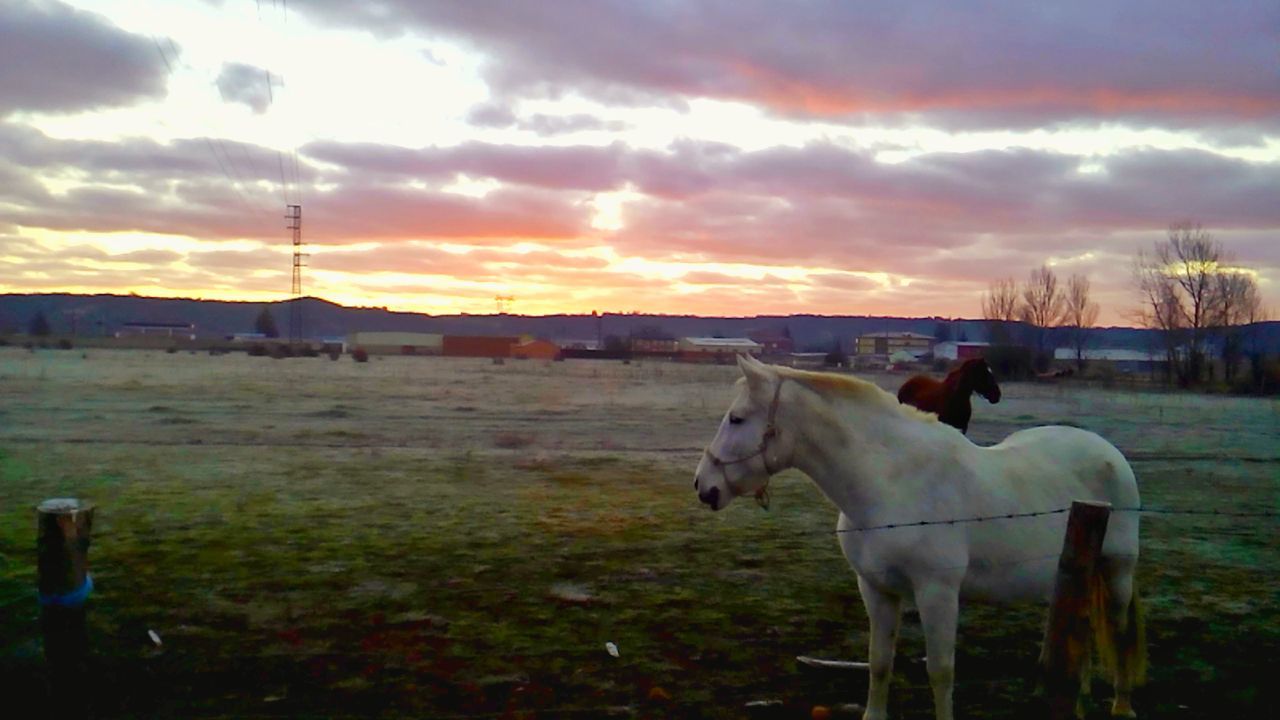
(770, 432)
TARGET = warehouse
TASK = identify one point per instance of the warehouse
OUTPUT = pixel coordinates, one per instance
(478, 346)
(713, 349)
(397, 343)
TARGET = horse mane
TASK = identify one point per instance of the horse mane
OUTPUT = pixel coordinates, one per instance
(853, 387)
(963, 369)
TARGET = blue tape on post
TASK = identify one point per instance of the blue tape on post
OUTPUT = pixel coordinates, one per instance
(75, 598)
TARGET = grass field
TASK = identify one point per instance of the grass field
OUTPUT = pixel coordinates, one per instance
(429, 537)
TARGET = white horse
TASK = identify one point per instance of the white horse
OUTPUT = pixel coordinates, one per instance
(883, 463)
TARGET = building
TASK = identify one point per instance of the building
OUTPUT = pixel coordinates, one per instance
(1120, 359)
(478, 346)
(185, 331)
(397, 343)
(333, 344)
(773, 342)
(653, 346)
(888, 343)
(960, 350)
(722, 350)
(535, 350)
(809, 360)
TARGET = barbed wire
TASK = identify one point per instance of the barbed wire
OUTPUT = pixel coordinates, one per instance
(1057, 511)
(645, 647)
(445, 414)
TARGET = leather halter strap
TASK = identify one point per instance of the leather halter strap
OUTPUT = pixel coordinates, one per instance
(770, 432)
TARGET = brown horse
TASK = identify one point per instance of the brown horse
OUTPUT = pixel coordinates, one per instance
(949, 399)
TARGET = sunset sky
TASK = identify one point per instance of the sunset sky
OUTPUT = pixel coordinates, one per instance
(731, 157)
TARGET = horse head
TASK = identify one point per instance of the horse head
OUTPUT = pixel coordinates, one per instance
(748, 449)
(983, 380)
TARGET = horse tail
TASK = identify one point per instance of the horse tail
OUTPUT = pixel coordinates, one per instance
(1133, 643)
(1121, 642)
(1102, 622)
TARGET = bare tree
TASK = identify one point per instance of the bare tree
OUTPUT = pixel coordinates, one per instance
(1157, 307)
(1079, 314)
(1001, 301)
(1181, 286)
(1236, 305)
(1000, 308)
(1042, 304)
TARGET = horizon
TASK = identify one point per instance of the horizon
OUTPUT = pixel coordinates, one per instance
(762, 316)
(770, 161)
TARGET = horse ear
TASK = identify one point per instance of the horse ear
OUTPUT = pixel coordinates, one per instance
(757, 373)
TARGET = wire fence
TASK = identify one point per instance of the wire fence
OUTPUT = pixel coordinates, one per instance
(1206, 521)
(764, 691)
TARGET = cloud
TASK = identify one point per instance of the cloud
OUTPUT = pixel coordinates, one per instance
(32, 265)
(843, 282)
(500, 115)
(939, 225)
(54, 58)
(248, 85)
(549, 125)
(358, 213)
(491, 114)
(224, 261)
(136, 160)
(818, 203)
(428, 258)
(581, 167)
(178, 188)
(1002, 64)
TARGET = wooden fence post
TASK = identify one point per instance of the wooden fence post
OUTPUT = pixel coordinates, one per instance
(62, 548)
(1068, 641)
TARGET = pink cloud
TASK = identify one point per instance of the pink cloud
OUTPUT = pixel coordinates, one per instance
(1001, 65)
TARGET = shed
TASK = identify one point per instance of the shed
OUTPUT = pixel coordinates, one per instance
(960, 350)
(773, 342)
(535, 350)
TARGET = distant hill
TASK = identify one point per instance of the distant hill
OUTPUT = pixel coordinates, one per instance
(104, 314)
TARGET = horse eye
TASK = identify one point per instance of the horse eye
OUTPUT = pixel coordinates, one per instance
(735, 420)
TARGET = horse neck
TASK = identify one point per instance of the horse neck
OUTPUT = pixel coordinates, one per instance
(852, 448)
(959, 382)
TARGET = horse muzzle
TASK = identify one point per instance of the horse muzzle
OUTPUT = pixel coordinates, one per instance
(709, 491)
(710, 497)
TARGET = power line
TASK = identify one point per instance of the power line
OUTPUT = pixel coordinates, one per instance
(284, 185)
(244, 150)
(235, 169)
(297, 176)
(222, 166)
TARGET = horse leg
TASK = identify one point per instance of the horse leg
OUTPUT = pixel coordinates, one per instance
(885, 613)
(939, 606)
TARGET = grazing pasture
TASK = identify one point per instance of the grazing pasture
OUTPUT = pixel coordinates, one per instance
(431, 537)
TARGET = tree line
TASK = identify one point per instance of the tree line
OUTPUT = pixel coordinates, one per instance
(1199, 301)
